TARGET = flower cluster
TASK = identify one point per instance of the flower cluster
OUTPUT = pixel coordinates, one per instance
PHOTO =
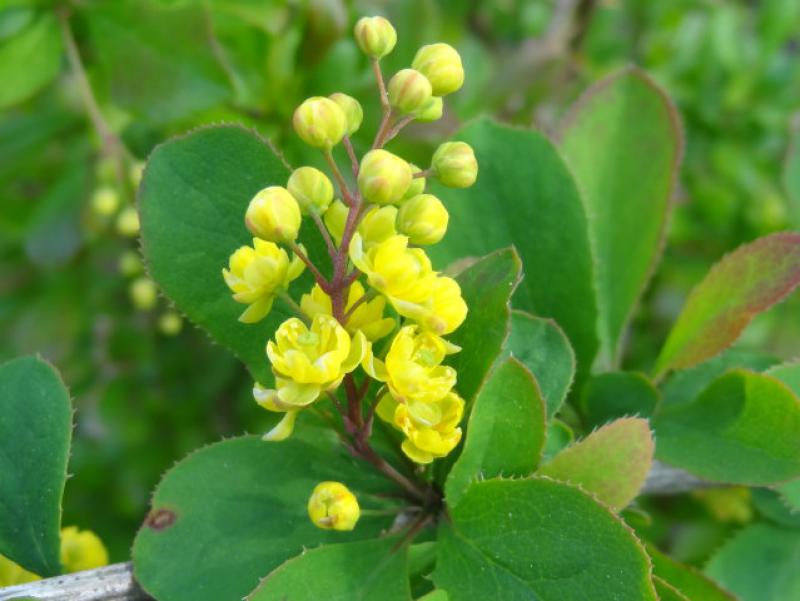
(382, 291)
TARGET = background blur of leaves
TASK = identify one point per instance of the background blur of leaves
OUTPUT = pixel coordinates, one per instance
(158, 68)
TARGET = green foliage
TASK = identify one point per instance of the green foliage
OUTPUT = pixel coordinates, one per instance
(623, 142)
(744, 428)
(540, 539)
(506, 430)
(371, 570)
(624, 449)
(685, 579)
(238, 508)
(749, 280)
(524, 177)
(30, 53)
(35, 432)
(759, 564)
(615, 394)
(544, 349)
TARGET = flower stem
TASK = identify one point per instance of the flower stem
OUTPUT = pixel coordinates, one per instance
(325, 234)
(344, 190)
(323, 283)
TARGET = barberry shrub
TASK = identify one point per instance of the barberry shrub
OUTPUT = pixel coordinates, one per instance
(441, 351)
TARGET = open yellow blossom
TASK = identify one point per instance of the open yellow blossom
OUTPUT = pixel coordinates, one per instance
(431, 428)
(404, 275)
(332, 506)
(412, 369)
(309, 360)
(81, 550)
(367, 317)
(257, 274)
(444, 311)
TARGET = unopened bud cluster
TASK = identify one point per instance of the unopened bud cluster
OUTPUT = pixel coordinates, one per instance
(383, 287)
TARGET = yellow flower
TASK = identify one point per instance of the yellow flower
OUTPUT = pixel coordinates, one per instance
(257, 274)
(445, 309)
(375, 36)
(143, 293)
(367, 317)
(274, 214)
(307, 361)
(409, 91)
(454, 164)
(81, 550)
(404, 275)
(311, 188)
(105, 201)
(128, 222)
(431, 428)
(441, 64)
(383, 177)
(320, 122)
(333, 507)
(412, 369)
(12, 573)
(376, 225)
(352, 110)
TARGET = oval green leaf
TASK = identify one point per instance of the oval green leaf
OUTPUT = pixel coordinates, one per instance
(616, 394)
(623, 142)
(518, 540)
(35, 434)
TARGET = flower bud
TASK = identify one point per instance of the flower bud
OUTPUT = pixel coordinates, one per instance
(128, 222)
(417, 186)
(170, 323)
(383, 177)
(105, 201)
(423, 219)
(454, 165)
(335, 219)
(320, 122)
(135, 173)
(81, 550)
(130, 264)
(375, 36)
(409, 91)
(311, 188)
(431, 110)
(352, 110)
(441, 64)
(273, 215)
(333, 507)
(144, 293)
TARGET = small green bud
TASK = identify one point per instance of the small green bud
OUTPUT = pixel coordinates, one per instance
(144, 293)
(431, 110)
(454, 165)
(105, 201)
(441, 64)
(135, 173)
(273, 215)
(311, 188)
(352, 110)
(375, 36)
(417, 186)
(170, 323)
(130, 264)
(335, 219)
(320, 122)
(409, 91)
(383, 177)
(423, 219)
(128, 222)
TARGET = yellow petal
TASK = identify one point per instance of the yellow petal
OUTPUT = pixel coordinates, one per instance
(283, 429)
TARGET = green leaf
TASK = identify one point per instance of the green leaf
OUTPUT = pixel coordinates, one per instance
(559, 436)
(370, 570)
(623, 142)
(487, 286)
(518, 540)
(759, 564)
(437, 595)
(545, 350)
(790, 493)
(687, 580)
(35, 433)
(170, 71)
(684, 386)
(29, 59)
(743, 429)
(747, 281)
(525, 196)
(791, 173)
(238, 509)
(789, 374)
(773, 505)
(192, 202)
(506, 430)
(612, 463)
(616, 394)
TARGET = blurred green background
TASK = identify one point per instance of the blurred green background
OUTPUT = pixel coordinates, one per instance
(90, 86)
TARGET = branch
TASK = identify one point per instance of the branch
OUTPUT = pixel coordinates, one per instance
(116, 583)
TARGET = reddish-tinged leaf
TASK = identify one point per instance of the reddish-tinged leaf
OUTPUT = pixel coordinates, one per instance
(747, 281)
